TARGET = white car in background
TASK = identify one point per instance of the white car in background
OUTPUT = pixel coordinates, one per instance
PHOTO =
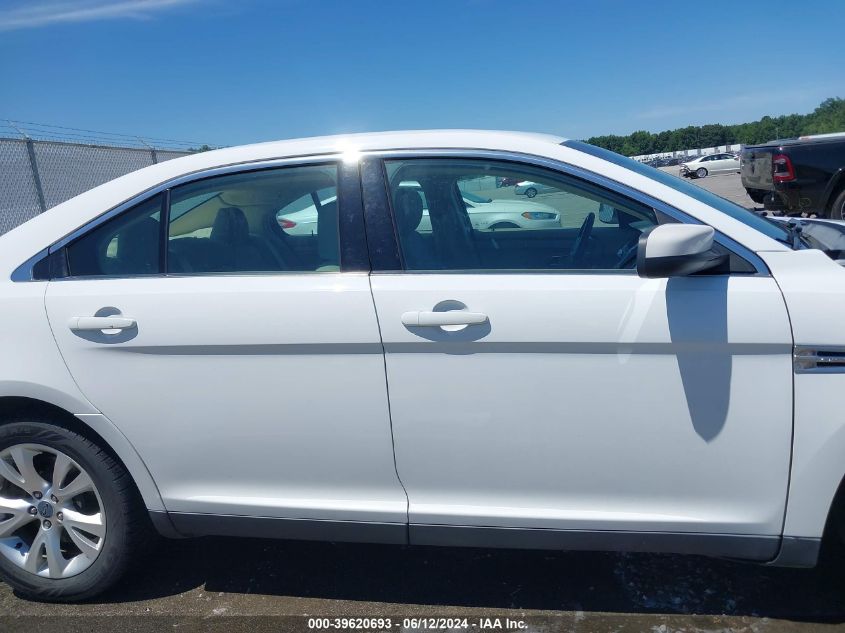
(713, 164)
(484, 213)
(531, 189)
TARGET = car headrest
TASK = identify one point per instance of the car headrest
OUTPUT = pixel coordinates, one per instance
(230, 226)
(408, 206)
(137, 242)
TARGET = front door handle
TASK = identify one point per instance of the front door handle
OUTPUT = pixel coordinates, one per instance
(89, 323)
(438, 319)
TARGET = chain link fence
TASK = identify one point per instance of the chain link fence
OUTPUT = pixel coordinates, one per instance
(36, 175)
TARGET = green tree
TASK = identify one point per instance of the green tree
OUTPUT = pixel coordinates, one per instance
(828, 117)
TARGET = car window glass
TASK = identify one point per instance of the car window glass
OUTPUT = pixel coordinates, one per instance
(264, 221)
(545, 221)
(300, 216)
(749, 218)
(126, 245)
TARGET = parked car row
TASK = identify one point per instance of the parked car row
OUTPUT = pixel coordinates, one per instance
(663, 162)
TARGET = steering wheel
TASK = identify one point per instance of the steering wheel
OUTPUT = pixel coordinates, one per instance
(579, 247)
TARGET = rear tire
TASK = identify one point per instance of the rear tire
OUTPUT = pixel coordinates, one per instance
(757, 195)
(109, 503)
(837, 207)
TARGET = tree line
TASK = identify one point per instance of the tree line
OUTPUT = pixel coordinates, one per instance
(828, 117)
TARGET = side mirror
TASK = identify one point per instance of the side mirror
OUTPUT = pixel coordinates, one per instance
(677, 250)
(607, 214)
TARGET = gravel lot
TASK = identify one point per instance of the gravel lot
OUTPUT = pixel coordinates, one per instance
(250, 585)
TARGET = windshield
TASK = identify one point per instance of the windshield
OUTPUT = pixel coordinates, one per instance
(749, 218)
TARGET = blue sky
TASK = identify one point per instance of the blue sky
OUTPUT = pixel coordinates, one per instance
(236, 71)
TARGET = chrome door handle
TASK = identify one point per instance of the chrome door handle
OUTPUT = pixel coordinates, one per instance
(83, 324)
(438, 319)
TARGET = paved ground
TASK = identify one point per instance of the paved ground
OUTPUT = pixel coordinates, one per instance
(251, 585)
(726, 185)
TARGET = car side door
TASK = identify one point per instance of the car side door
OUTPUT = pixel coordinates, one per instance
(718, 164)
(242, 362)
(732, 164)
(542, 392)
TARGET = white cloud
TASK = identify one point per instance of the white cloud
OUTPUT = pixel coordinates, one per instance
(34, 14)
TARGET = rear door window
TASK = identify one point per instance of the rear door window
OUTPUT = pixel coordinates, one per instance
(277, 220)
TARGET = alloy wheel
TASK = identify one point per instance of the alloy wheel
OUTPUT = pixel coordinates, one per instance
(52, 522)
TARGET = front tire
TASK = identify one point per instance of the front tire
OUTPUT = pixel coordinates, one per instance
(701, 172)
(71, 519)
(531, 192)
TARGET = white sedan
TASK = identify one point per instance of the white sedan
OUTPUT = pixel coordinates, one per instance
(531, 189)
(713, 164)
(483, 212)
(658, 371)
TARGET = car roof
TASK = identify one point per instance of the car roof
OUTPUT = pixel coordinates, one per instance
(408, 139)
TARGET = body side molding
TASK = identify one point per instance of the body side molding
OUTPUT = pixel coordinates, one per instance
(762, 549)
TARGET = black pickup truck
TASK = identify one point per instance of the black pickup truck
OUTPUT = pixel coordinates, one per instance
(803, 175)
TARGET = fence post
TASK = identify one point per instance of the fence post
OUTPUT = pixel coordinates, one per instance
(152, 149)
(36, 177)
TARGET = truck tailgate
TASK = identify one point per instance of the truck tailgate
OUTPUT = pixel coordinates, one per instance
(756, 169)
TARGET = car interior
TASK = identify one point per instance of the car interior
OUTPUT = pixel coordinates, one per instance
(595, 233)
(222, 224)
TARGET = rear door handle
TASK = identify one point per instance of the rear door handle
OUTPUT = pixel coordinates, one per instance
(83, 324)
(437, 319)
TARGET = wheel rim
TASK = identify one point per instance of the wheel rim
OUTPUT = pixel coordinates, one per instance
(702, 173)
(52, 522)
(531, 193)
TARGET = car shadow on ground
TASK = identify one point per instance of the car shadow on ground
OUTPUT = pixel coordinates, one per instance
(492, 579)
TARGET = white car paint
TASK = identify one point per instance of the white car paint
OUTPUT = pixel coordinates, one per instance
(276, 425)
(639, 405)
(596, 432)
